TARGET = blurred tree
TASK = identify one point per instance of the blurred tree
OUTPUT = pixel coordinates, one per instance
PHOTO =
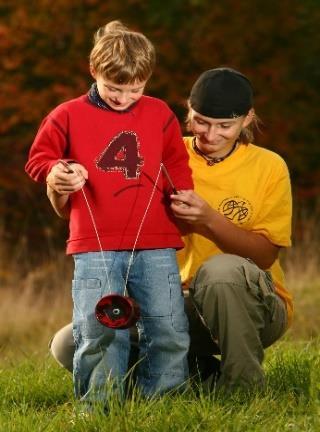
(44, 48)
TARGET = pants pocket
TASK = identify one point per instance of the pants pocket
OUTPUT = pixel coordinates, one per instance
(179, 317)
(85, 294)
(260, 284)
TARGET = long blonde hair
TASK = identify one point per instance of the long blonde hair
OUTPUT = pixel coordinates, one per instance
(121, 55)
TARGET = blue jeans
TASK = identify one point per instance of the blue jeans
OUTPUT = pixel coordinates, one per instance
(101, 356)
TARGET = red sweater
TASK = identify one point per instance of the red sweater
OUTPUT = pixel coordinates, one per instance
(122, 152)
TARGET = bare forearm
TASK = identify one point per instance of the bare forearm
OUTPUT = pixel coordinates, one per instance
(238, 241)
(190, 208)
(60, 203)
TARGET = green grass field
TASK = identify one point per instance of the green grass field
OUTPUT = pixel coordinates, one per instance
(36, 395)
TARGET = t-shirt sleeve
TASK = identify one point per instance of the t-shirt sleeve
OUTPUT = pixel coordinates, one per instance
(275, 215)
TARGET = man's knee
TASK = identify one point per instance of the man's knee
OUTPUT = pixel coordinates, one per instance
(221, 281)
(62, 347)
(224, 268)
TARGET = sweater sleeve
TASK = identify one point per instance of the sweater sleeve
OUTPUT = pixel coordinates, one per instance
(175, 156)
(48, 147)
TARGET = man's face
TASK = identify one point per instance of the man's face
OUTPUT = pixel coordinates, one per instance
(215, 137)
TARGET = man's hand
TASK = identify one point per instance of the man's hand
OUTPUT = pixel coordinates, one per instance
(188, 206)
(228, 237)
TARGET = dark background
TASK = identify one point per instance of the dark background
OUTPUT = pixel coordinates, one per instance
(44, 48)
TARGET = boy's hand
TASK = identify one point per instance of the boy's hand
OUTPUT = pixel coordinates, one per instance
(67, 178)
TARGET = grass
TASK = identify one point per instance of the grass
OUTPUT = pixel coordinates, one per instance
(36, 394)
(302, 263)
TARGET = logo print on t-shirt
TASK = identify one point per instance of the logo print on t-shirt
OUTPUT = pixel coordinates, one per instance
(122, 154)
(237, 209)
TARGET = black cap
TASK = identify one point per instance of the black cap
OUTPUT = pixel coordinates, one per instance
(221, 93)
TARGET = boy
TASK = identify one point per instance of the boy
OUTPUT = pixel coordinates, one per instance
(115, 139)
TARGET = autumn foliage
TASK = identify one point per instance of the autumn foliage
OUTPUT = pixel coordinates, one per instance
(44, 47)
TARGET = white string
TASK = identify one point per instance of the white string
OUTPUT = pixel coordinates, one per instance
(71, 170)
(135, 243)
(137, 236)
(140, 227)
(98, 238)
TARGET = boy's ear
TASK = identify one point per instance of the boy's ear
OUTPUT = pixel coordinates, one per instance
(93, 72)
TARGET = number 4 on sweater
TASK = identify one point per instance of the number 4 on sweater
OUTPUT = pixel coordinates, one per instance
(122, 154)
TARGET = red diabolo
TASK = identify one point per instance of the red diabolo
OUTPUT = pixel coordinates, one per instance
(117, 311)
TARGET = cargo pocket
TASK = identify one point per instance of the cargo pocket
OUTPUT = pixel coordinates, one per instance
(85, 294)
(262, 288)
(179, 317)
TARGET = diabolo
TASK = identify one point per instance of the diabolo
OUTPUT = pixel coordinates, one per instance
(117, 312)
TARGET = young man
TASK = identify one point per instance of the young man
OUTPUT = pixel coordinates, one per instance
(238, 218)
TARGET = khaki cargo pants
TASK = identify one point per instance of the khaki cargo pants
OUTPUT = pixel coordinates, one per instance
(234, 311)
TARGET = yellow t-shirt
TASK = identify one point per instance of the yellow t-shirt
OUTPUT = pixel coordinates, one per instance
(252, 189)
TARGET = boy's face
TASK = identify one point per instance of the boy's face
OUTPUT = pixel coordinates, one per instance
(119, 96)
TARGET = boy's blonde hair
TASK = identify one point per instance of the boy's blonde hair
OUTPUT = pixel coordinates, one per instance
(121, 55)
